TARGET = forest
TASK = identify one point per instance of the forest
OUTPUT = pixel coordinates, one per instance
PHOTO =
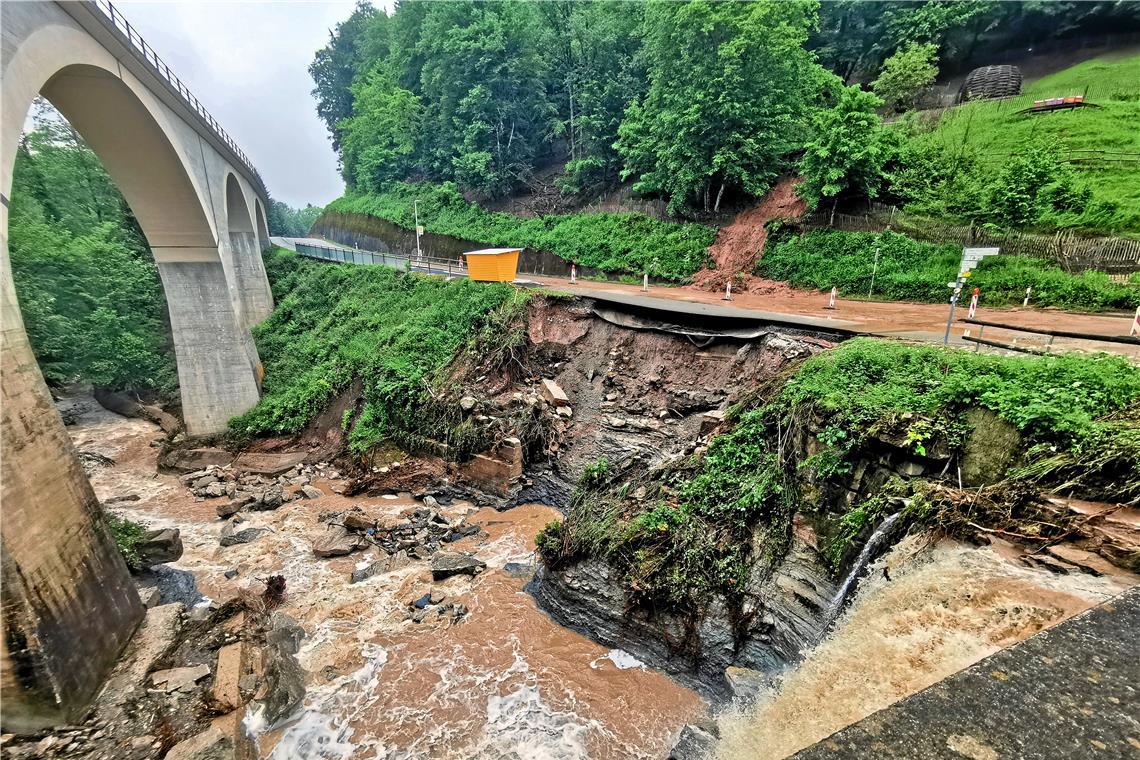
(703, 104)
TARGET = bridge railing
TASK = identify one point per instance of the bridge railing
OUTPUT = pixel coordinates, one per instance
(429, 264)
(119, 22)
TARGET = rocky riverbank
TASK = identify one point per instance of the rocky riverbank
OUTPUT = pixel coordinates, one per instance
(403, 620)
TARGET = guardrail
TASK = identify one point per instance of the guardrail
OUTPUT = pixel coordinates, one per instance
(428, 264)
(980, 341)
(115, 21)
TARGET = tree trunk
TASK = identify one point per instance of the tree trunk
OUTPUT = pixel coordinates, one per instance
(834, 203)
(719, 193)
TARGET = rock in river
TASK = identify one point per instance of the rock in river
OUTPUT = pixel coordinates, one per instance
(336, 541)
(158, 546)
(445, 565)
(231, 536)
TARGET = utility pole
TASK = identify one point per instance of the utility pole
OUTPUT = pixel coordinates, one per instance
(419, 229)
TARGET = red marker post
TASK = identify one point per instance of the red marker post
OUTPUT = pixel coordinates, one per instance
(973, 305)
(831, 301)
(1135, 329)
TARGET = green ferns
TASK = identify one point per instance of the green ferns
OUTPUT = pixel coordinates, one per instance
(337, 323)
(626, 242)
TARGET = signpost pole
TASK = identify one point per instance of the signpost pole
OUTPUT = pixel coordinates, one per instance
(419, 229)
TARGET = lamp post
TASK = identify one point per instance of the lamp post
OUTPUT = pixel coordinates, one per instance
(419, 229)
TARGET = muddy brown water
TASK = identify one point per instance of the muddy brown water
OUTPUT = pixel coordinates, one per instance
(506, 682)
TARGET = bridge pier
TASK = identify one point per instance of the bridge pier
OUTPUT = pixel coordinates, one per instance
(218, 368)
(69, 606)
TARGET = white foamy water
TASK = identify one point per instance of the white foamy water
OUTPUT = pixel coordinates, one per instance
(945, 608)
(621, 659)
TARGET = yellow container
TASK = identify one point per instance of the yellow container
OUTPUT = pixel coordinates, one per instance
(493, 264)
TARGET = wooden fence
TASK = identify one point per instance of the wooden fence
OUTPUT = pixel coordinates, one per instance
(1073, 253)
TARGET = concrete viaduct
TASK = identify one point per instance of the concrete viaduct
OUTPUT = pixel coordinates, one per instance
(69, 606)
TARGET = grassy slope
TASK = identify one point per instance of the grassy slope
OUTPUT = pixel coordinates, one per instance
(625, 243)
(910, 270)
(996, 131)
(335, 323)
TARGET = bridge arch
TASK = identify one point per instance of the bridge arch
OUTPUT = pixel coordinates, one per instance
(262, 227)
(62, 576)
(245, 252)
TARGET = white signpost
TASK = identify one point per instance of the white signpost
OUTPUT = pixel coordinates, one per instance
(970, 259)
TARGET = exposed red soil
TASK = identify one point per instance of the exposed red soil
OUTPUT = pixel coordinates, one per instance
(739, 245)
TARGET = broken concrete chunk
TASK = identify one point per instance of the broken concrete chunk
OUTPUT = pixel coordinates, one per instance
(552, 392)
(225, 693)
(311, 492)
(179, 679)
(337, 541)
(357, 520)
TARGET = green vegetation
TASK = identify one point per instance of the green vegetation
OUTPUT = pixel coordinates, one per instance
(696, 526)
(700, 103)
(985, 139)
(909, 270)
(847, 151)
(730, 86)
(629, 243)
(89, 291)
(286, 221)
(393, 331)
(127, 535)
(905, 74)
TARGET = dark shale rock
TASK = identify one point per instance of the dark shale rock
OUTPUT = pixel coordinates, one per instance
(785, 611)
(158, 546)
(694, 743)
(284, 678)
(231, 536)
(445, 565)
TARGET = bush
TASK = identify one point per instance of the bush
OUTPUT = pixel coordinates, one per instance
(127, 535)
(905, 74)
(336, 323)
(910, 270)
(626, 242)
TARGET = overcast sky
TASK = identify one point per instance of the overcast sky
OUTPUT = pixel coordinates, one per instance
(248, 64)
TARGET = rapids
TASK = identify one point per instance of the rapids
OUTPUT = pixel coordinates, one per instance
(944, 607)
(504, 682)
(507, 682)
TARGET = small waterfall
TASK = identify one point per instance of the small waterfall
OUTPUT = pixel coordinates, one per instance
(870, 550)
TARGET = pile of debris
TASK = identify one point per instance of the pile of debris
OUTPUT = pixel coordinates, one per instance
(416, 534)
(253, 491)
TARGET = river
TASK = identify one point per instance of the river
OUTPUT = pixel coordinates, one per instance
(505, 682)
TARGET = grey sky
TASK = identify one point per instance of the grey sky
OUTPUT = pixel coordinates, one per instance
(248, 64)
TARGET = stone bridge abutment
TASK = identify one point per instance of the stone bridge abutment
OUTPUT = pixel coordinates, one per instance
(68, 603)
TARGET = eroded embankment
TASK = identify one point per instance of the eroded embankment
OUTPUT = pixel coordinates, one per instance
(726, 564)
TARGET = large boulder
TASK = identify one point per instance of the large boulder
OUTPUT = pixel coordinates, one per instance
(992, 447)
(158, 546)
(337, 541)
(445, 565)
